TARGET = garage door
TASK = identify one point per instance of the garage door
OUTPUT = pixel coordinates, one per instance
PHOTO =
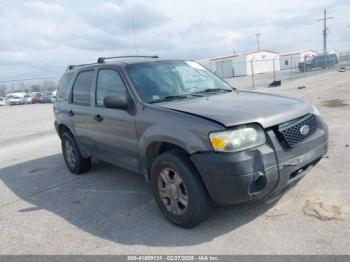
(224, 69)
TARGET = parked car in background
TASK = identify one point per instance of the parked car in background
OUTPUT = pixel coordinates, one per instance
(53, 96)
(37, 98)
(46, 98)
(2, 101)
(27, 98)
(15, 100)
(319, 61)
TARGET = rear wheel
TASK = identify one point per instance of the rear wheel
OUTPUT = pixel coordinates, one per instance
(178, 190)
(75, 162)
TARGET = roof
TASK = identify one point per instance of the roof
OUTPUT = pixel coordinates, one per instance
(266, 51)
(247, 53)
(300, 52)
(116, 61)
(223, 57)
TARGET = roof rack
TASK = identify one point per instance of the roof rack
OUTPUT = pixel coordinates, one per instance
(70, 67)
(102, 59)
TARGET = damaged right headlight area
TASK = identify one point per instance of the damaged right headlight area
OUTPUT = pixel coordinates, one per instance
(238, 139)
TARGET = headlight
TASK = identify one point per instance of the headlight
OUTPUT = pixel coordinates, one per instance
(238, 139)
(315, 110)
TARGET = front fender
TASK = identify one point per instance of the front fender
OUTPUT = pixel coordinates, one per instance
(176, 135)
(156, 124)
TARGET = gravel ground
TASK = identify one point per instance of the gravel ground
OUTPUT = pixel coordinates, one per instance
(46, 210)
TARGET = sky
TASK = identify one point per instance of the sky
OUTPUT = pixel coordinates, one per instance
(40, 38)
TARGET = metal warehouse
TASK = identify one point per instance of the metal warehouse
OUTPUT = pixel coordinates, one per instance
(291, 60)
(243, 64)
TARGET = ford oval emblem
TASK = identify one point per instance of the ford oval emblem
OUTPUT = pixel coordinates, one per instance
(304, 130)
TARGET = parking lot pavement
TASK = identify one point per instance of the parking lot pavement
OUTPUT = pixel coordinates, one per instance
(24, 122)
(46, 210)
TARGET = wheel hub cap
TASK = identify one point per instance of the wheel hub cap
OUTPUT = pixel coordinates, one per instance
(172, 191)
(70, 154)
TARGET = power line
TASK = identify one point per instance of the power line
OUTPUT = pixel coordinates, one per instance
(27, 79)
(135, 40)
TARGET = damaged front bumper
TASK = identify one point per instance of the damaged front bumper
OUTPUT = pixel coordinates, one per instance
(262, 172)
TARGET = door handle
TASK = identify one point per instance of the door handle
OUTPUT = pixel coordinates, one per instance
(98, 118)
(71, 113)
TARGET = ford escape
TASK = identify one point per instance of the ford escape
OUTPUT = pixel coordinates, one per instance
(197, 140)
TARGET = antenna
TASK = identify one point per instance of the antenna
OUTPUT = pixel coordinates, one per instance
(258, 40)
(135, 41)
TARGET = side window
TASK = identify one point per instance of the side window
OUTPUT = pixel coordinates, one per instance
(82, 88)
(109, 83)
(63, 87)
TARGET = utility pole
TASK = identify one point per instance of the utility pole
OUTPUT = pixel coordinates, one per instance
(324, 19)
(258, 40)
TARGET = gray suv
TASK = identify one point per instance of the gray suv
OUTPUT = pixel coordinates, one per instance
(197, 140)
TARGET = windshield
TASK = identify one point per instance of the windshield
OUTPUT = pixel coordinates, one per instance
(174, 79)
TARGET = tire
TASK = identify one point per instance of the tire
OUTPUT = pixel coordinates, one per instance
(176, 164)
(80, 164)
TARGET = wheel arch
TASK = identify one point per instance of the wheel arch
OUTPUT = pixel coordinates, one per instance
(157, 148)
(62, 128)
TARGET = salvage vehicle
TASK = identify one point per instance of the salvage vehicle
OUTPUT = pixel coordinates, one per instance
(37, 98)
(197, 140)
(2, 101)
(319, 61)
(15, 100)
(27, 98)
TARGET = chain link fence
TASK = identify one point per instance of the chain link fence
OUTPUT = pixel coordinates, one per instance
(250, 73)
(244, 72)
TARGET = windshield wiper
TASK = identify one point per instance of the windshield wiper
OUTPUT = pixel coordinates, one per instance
(213, 90)
(168, 98)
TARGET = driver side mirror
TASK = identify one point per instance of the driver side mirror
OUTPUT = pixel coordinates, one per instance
(115, 102)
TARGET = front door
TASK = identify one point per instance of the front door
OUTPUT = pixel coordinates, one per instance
(115, 134)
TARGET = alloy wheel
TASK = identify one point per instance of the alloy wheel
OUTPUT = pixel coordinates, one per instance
(69, 153)
(172, 191)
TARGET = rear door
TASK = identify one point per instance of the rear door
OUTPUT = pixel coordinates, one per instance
(115, 133)
(81, 111)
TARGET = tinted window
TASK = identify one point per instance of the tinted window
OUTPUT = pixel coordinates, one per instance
(109, 83)
(82, 88)
(63, 87)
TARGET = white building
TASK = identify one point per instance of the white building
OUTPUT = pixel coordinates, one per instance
(291, 60)
(243, 64)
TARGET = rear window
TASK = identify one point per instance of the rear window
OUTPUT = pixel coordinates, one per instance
(82, 88)
(63, 87)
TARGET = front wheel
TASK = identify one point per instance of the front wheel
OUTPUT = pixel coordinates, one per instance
(75, 162)
(178, 190)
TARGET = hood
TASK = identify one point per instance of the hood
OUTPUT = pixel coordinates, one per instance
(241, 107)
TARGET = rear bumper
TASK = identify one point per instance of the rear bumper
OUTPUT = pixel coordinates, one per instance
(263, 172)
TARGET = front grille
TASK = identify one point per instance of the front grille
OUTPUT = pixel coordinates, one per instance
(291, 133)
